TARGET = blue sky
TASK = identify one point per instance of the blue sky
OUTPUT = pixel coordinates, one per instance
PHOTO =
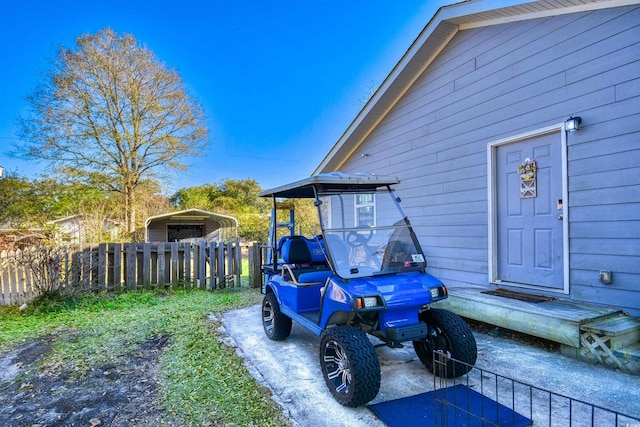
(279, 80)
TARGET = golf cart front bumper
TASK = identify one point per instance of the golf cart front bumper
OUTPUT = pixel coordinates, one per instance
(398, 334)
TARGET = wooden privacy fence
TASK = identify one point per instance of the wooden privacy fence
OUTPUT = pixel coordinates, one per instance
(120, 266)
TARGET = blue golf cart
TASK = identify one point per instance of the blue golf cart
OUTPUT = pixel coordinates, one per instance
(363, 274)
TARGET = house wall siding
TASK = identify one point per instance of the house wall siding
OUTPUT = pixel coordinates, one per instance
(498, 81)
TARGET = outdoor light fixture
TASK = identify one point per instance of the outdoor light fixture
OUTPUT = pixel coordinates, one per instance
(573, 124)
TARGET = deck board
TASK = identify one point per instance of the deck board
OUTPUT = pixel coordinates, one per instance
(557, 320)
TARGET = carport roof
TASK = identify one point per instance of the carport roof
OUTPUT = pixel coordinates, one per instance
(194, 215)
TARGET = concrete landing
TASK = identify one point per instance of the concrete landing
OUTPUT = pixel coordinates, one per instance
(291, 370)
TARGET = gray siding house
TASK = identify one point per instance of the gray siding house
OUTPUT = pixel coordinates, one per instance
(474, 121)
(81, 228)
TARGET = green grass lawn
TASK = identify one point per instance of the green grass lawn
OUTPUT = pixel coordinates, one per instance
(202, 381)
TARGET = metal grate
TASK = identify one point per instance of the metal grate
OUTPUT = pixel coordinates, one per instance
(483, 398)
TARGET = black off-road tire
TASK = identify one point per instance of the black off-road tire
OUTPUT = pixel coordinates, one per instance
(277, 326)
(448, 334)
(350, 365)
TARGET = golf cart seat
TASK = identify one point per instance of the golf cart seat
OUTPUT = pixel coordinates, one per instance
(301, 266)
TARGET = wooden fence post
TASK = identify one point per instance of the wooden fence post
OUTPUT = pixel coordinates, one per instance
(255, 266)
(161, 264)
(229, 259)
(102, 267)
(11, 278)
(17, 287)
(153, 249)
(222, 282)
(140, 265)
(213, 265)
(95, 266)
(4, 279)
(174, 263)
(188, 280)
(117, 266)
(65, 269)
(238, 264)
(202, 264)
(146, 264)
(130, 267)
(85, 271)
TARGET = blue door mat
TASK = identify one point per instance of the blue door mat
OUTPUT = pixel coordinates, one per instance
(457, 406)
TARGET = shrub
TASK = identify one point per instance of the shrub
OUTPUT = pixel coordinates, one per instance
(43, 263)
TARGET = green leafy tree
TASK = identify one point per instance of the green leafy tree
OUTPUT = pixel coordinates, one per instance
(238, 198)
(110, 114)
(25, 203)
(17, 200)
(28, 206)
(200, 197)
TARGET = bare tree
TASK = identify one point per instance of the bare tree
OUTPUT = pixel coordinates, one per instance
(371, 90)
(111, 113)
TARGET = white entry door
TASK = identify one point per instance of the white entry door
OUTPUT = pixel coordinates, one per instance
(529, 221)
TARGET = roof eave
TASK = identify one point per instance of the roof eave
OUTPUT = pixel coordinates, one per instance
(388, 93)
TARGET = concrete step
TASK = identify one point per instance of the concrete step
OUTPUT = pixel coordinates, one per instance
(620, 331)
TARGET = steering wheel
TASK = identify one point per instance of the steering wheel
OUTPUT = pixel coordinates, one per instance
(355, 239)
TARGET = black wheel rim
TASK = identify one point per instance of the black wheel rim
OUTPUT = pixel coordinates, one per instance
(337, 366)
(438, 342)
(268, 313)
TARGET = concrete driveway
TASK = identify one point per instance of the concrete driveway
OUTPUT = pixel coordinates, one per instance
(292, 371)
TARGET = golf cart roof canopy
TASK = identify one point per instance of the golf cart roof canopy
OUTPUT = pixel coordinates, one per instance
(331, 182)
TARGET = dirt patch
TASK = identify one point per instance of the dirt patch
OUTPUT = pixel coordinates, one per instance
(125, 394)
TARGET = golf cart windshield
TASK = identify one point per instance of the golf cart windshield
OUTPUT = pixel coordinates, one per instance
(365, 230)
(367, 233)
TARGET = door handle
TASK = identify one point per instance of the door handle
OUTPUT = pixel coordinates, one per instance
(560, 217)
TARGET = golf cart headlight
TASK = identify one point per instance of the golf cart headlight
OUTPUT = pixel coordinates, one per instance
(370, 302)
(367, 302)
(438, 292)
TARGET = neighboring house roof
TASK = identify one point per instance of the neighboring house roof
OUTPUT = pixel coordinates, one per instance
(447, 22)
(66, 219)
(80, 217)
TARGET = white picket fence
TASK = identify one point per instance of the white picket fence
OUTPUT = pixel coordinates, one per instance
(119, 266)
